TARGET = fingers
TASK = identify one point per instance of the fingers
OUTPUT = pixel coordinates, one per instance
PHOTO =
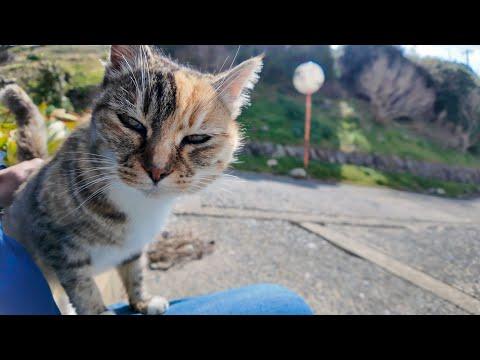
(12, 177)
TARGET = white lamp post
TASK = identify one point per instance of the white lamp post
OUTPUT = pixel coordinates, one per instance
(308, 78)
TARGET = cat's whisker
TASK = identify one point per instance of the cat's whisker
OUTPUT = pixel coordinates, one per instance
(142, 71)
(94, 161)
(224, 62)
(88, 182)
(237, 75)
(146, 63)
(107, 171)
(91, 183)
(96, 193)
(97, 164)
(93, 164)
(87, 169)
(87, 153)
(97, 159)
(235, 57)
(222, 87)
(124, 100)
(226, 174)
(209, 99)
(231, 64)
(139, 98)
(226, 178)
(227, 78)
(103, 173)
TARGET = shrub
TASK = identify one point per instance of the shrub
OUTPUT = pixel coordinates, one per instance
(49, 86)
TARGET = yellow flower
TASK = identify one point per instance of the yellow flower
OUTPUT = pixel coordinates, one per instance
(3, 138)
(11, 158)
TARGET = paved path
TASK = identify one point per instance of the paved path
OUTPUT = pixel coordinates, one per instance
(346, 249)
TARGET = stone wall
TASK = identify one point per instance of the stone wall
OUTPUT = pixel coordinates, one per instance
(379, 162)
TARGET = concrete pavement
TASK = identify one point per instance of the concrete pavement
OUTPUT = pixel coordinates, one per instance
(256, 223)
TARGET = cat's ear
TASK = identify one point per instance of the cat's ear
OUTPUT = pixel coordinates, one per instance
(233, 86)
(124, 56)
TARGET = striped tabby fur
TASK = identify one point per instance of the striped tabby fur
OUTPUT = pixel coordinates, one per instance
(158, 130)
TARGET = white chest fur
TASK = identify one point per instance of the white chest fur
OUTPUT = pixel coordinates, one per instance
(146, 218)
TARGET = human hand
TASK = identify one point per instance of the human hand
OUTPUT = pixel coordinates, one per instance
(12, 177)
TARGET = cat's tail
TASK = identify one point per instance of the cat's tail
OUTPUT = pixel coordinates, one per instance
(31, 134)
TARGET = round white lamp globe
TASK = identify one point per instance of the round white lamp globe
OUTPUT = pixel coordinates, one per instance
(308, 78)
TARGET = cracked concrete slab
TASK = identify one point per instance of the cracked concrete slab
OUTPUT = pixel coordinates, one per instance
(402, 270)
(258, 251)
(449, 253)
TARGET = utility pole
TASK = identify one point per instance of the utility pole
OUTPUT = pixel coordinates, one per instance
(308, 78)
(467, 56)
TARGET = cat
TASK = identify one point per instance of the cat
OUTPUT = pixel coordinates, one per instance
(158, 130)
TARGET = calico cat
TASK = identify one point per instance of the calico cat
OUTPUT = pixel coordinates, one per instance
(158, 130)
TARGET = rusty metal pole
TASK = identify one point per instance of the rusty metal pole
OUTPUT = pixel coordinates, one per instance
(308, 116)
(308, 79)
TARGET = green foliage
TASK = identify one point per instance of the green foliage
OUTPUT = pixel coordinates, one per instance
(279, 118)
(358, 175)
(49, 86)
(33, 57)
(73, 70)
(452, 81)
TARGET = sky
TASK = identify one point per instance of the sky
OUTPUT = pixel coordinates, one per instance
(448, 52)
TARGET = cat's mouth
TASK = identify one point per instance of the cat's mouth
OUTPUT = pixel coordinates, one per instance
(157, 191)
(166, 186)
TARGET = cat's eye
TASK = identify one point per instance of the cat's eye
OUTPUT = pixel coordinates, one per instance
(196, 139)
(133, 124)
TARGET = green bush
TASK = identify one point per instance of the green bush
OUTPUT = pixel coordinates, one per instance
(33, 57)
(49, 86)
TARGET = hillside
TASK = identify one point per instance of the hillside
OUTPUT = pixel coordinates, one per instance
(67, 77)
(346, 124)
(441, 98)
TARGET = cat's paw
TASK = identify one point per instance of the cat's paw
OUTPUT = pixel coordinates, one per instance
(157, 305)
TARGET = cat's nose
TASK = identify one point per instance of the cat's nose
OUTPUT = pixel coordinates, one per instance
(157, 174)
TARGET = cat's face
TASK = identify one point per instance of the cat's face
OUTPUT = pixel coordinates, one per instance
(167, 128)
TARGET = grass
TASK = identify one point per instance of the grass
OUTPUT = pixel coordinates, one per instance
(358, 175)
(346, 125)
(80, 62)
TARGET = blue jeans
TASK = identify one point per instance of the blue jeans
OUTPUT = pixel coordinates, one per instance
(24, 291)
(261, 299)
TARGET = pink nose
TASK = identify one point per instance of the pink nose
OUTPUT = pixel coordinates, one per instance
(157, 174)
